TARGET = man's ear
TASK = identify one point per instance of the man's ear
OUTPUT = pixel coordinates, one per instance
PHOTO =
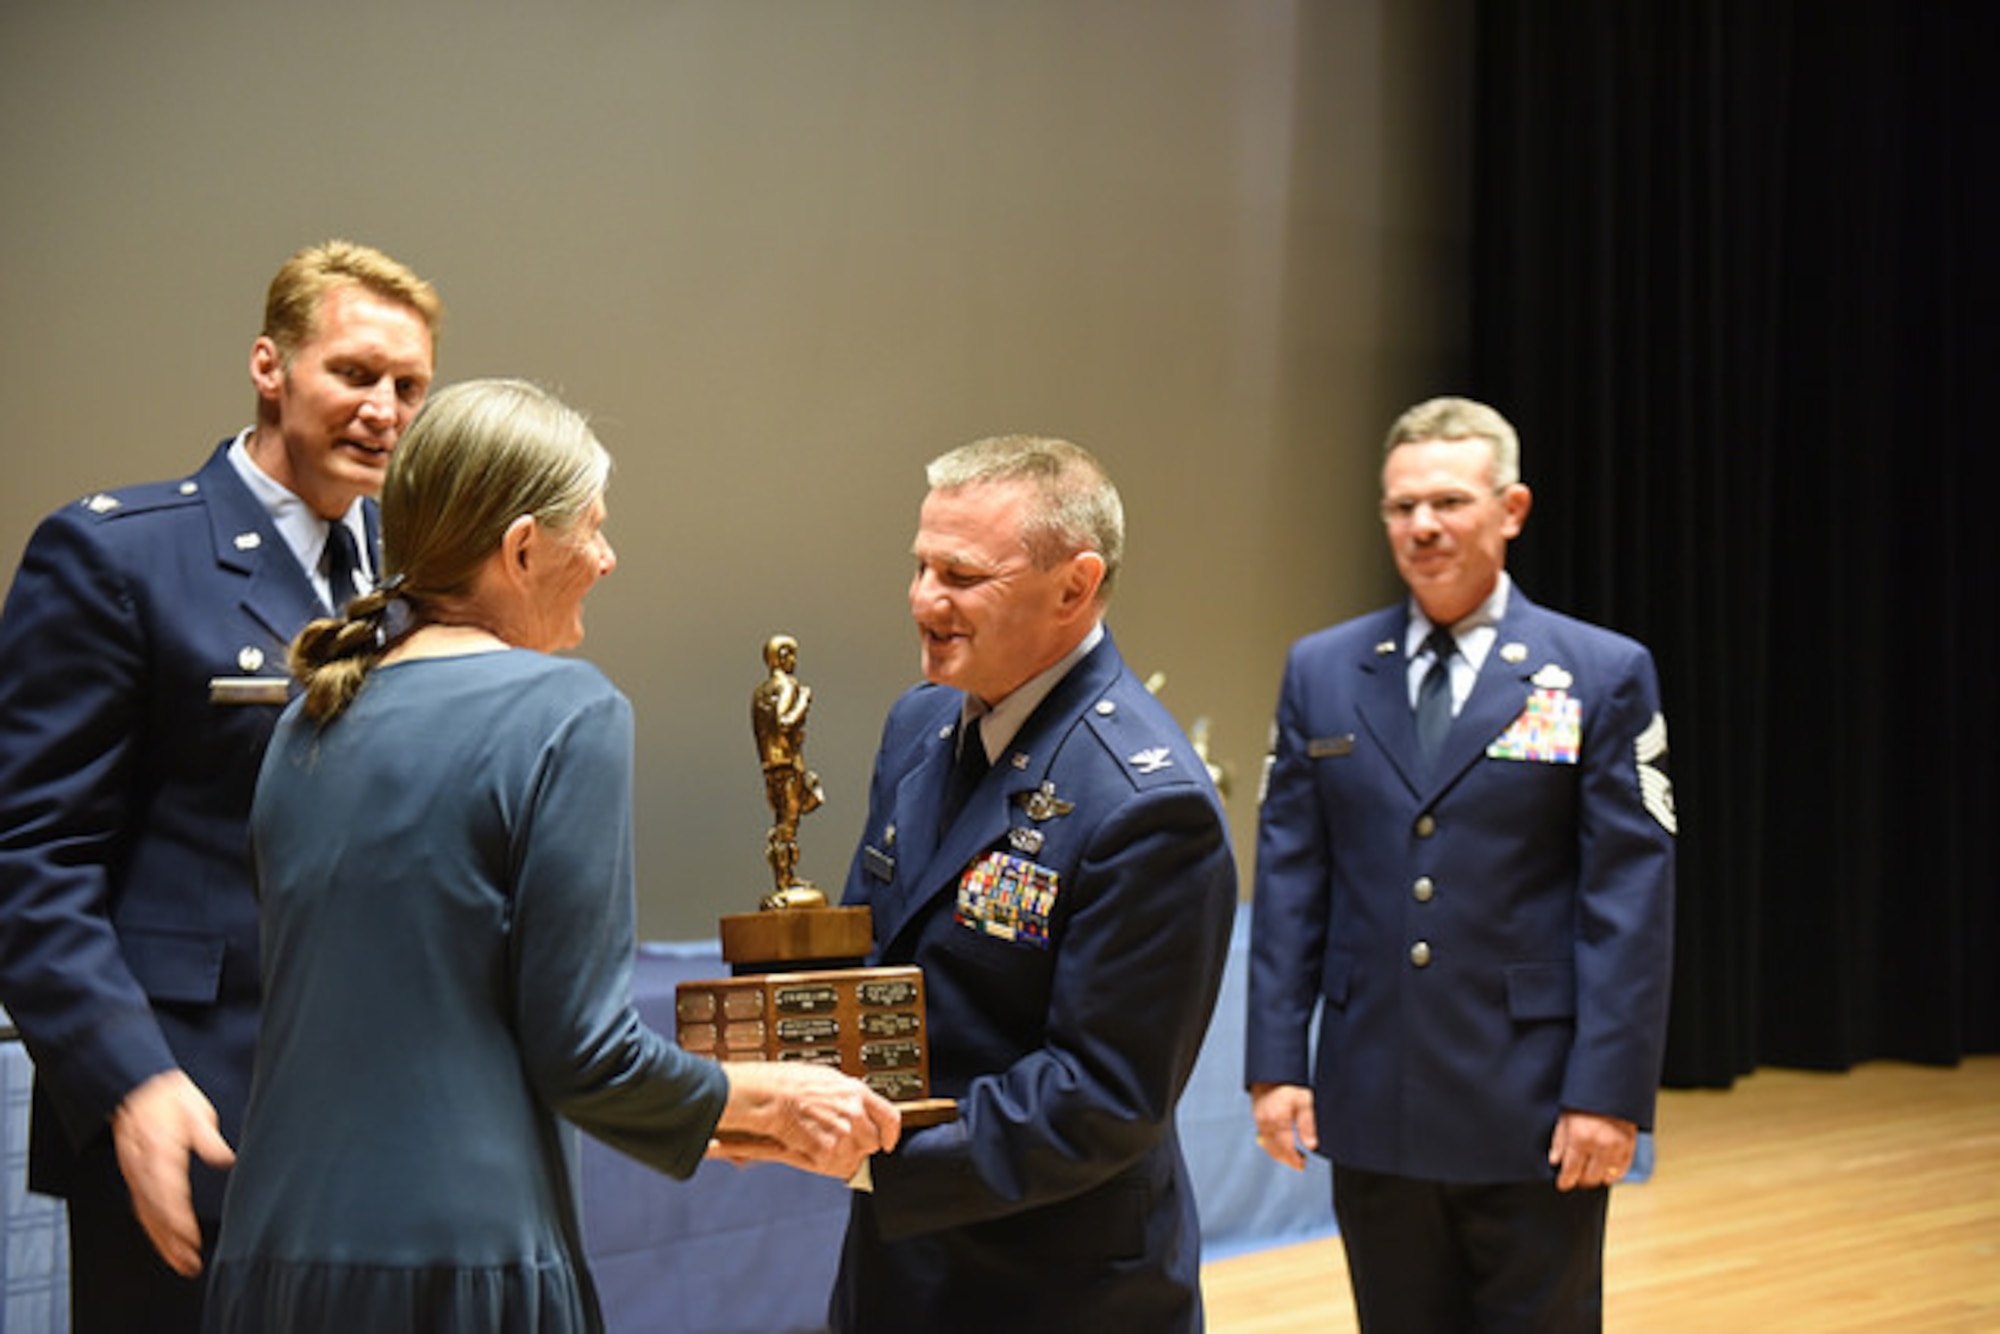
(267, 368)
(1517, 500)
(1083, 578)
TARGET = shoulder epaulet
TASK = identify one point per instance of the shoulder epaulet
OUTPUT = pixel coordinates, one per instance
(142, 498)
(1148, 751)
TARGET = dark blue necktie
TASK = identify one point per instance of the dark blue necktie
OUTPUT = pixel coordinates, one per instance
(1434, 695)
(343, 563)
(970, 767)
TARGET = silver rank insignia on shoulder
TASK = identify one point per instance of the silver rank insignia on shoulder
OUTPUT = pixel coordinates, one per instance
(1552, 677)
(189, 487)
(1151, 760)
(101, 503)
(1514, 652)
(1044, 805)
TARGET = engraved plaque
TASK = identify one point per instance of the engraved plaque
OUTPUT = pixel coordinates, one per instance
(890, 1055)
(868, 1022)
(898, 1086)
(889, 1023)
(817, 1055)
(805, 1000)
(896, 991)
(808, 1030)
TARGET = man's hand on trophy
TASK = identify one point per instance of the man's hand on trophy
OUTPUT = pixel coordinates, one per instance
(807, 1116)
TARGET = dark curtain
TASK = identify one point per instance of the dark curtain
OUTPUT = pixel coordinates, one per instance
(1733, 279)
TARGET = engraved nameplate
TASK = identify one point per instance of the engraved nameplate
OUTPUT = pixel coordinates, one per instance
(893, 992)
(805, 1000)
(890, 1023)
(869, 1022)
(890, 1055)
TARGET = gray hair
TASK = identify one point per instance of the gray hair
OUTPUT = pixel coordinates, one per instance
(1461, 419)
(1076, 508)
(478, 456)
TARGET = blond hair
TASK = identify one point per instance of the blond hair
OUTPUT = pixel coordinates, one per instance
(292, 305)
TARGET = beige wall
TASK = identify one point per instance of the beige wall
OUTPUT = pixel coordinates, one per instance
(784, 251)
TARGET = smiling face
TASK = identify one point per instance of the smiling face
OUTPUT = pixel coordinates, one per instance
(329, 418)
(570, 564)
(1448, 527)
(988, 619)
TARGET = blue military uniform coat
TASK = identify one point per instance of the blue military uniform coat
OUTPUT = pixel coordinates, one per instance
(1487, 942)
(1072, 925)
(128, 936)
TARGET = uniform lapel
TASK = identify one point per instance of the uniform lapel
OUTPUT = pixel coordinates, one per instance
(276, 591)
(1383, 698)
(919, 795)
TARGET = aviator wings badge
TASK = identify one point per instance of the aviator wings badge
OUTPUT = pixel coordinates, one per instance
(1045, 804)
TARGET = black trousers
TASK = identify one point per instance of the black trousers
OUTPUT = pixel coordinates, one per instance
(118, 1284)
(1432, 1256)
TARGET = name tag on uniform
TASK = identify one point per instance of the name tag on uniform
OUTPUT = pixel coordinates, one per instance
(878, 863)
(248, 690)
(1325, 747)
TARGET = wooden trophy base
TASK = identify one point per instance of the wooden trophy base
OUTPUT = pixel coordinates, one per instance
(798, 992)
(788, 940)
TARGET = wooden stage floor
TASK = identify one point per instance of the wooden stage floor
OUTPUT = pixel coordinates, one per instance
(1795, 1201)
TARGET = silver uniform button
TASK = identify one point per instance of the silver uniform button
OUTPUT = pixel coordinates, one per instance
(1426, 825)
(1420, 954)
(1423, 890)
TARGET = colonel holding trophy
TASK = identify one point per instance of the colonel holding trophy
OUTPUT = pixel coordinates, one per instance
(797, 991)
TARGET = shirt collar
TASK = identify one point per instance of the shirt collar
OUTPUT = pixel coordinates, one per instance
(1474, 632)
(999, 724)
(304, 532)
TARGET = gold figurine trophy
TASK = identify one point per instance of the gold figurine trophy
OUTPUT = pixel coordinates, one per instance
(797, 990)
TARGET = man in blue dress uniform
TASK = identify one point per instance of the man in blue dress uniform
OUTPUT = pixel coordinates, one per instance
(142, 667)
(1044, 842)
(1465, 873)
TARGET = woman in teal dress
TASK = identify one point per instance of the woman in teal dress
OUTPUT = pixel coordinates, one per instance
(442, 836)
